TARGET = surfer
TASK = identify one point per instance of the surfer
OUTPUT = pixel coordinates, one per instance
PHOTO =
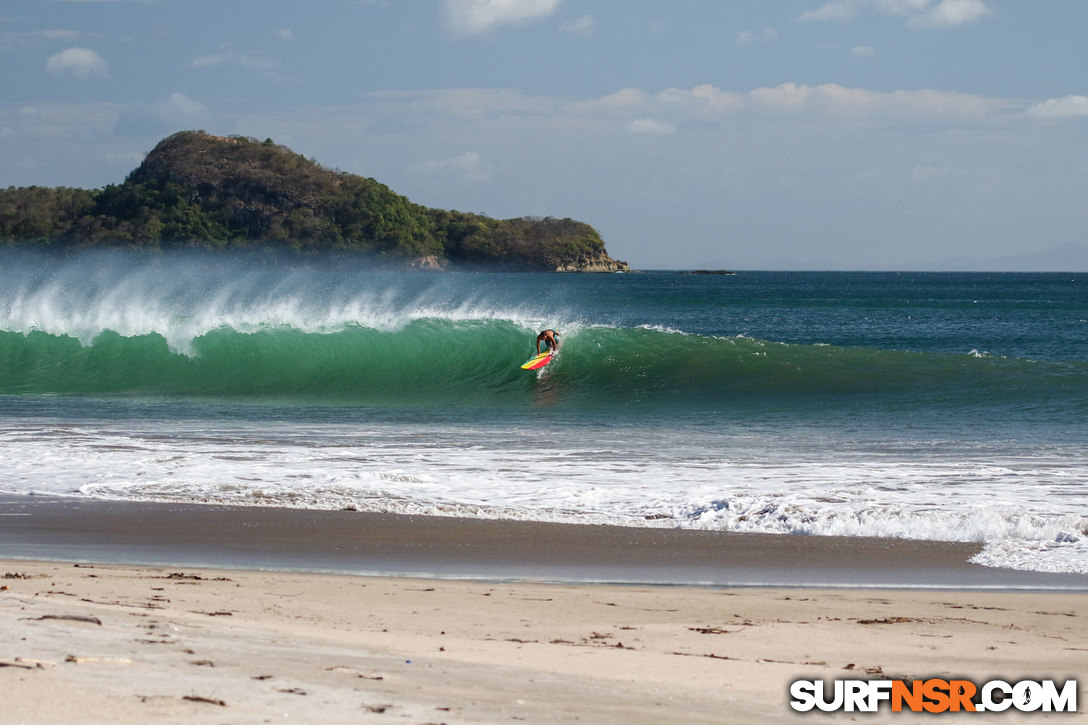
(550, 338)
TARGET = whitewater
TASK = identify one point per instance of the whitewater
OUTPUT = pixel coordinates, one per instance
(919, 406)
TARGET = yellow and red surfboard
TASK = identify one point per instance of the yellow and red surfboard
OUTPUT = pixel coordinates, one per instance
(538, 361)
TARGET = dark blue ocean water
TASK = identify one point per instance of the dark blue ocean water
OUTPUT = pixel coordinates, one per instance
(937, 405)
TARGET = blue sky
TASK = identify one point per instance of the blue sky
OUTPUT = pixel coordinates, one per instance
(747, 134)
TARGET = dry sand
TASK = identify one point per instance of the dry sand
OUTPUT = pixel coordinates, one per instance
(176, 640)
(123, 644)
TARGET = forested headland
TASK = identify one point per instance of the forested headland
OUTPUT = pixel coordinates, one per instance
(198, 190)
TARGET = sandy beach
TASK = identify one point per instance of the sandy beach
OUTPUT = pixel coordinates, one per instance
(95, 639)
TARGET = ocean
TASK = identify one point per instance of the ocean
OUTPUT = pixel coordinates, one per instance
(938, 406)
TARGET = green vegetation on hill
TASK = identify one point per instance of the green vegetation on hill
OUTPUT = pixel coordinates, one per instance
(195, 189)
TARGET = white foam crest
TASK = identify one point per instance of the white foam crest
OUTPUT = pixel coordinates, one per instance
(183, 299)
(55, 308)
(665, 329)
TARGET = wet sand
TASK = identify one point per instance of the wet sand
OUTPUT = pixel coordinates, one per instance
(351, 542)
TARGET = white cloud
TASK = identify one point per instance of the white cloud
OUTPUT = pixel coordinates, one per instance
(246, 61)
(207, 61)
(649, 125)
(626, 97)
(667, 111)
(784, 97)
(181, 107)
(78, 62)
(710, 104)
(746, 38)
(579, 26)
(704, 99)
(470, 103)
(862, 51)
(1067, 107)
(845, 10)
(57, 34)
(836, 99)
(473, 17)
(841, 11)
(950, 13)
(285, 34)
(469, 166)
(919, 13)
(175, 113)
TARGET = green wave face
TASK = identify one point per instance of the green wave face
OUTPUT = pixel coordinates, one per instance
(427, 358)
(475, 363)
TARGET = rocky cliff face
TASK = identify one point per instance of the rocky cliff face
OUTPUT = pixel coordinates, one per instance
(594, 263)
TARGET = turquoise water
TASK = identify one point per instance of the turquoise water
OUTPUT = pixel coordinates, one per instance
(938, 406)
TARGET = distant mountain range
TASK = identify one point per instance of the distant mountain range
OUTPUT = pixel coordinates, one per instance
(199, 190)
(1067, 257)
